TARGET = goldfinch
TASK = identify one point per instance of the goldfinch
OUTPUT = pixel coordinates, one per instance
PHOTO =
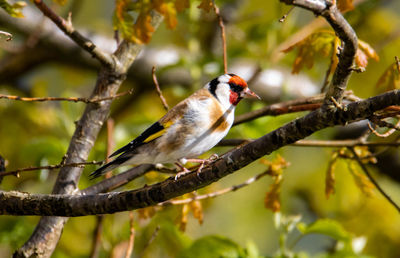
(192, 127)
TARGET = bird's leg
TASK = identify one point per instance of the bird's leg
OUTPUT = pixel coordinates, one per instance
(202, 163)
(183, 171)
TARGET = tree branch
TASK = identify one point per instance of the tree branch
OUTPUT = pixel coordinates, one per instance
(72, 99)
(105, 59)
(48, 231)
(348, 37)
(16, 203)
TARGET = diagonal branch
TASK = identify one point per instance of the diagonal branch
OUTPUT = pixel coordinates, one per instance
(47, 233)
(105, 59)
(16, 203)
(349, 43)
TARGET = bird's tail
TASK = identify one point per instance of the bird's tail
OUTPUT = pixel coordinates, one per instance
(108, 167)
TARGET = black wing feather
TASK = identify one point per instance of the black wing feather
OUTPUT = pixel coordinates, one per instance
(138, 141)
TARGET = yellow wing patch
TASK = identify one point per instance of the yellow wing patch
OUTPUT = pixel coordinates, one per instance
(159, 133)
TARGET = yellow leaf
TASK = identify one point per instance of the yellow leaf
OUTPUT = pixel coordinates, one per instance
(15, 9)
(390, 79)
(276, 166)
(61, 2)
(272, 197)
(345, 5)
(365, 154)
(146, 213)
(181, 5)
(206, 5)
(362, 181)
(170, 16)
(184, 217)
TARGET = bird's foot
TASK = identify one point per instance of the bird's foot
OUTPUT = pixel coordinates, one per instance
(202, 162)
(183, 170)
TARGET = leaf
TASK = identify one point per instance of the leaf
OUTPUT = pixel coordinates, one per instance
(168, 11)
(206, 5)
(345, 5)
(275, 167)
(390, 79)
(181, 5)
(197, 210)
(142, 30)
(316, 44)
(330, 176)
(365, 154)
(60, 2)
(326, 227)
(213, 246)
(184, 217)
(272, 197)
(146, 213)
(362, 181)
(364, 52)
(15, 10)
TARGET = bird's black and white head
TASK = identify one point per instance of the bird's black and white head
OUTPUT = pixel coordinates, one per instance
(229, 89)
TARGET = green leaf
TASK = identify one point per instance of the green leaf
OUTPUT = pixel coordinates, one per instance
(15, 10)
(213, 246)
(326, 227)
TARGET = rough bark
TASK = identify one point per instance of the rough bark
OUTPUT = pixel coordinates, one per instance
(16, 203)
(47, 233)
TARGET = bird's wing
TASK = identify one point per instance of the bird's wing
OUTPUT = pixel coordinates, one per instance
(153, 132)
(156, 130)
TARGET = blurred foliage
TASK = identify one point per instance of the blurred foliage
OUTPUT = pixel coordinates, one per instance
(348, 224)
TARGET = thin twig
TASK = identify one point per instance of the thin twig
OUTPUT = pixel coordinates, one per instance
(382, 123)
(317, 143)
(364, 168)
(397, 63)
(7, 34)
(131, 236)
(286, 15)
(72, 99)
(217, 193)
(223, 38)
(94, 252)
(163, 101)
(66, 26)
(50, 167)
(153, 236)
(110, 143)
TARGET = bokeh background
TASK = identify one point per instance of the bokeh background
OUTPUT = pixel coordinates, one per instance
(38, 133)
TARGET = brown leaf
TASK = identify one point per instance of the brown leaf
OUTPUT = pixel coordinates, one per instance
(181, 5)
(345, 5)
(390, 79)
(272, 197)
(197, 210)
(146, 213)
(364, 52)
(317, 44)
(206, 5)
(330, 176)
(142, 30)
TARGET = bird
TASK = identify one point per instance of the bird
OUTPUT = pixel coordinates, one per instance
(192, 127)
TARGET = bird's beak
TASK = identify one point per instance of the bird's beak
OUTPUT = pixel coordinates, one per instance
(248, 94)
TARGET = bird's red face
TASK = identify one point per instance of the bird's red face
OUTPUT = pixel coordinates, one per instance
(239, 90)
